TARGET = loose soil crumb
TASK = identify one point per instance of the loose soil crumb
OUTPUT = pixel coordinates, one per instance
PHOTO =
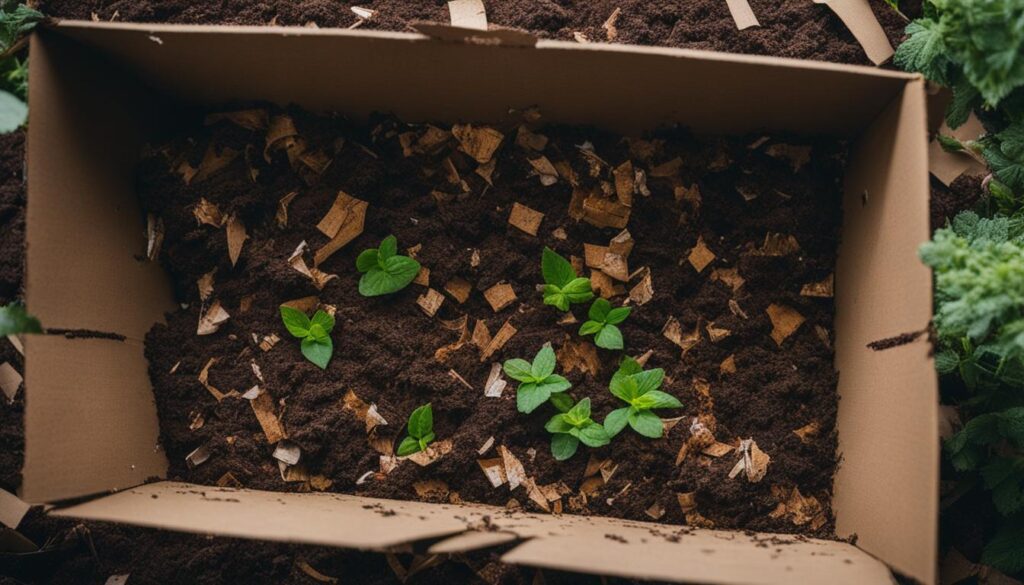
(385, 346)
(789, 28)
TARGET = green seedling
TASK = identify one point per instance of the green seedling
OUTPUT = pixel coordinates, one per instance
(14, 319)
(640, 389)
(315, 333)
(538, 381)
(421, 431)
(573, 427)
(562, 287)
(384, 270)
(603, 324)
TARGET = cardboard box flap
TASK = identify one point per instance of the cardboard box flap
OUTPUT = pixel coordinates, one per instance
(85, 234)
(90, 421)
(886, 488)
(592, 545)
(571, 83)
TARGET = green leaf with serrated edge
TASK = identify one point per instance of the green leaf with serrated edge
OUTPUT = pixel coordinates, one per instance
(646, 423)
(556, 269)
(555, 383)
(659, 399)
(324, 320)
(563, 446)
(579, 413)
(387, 250)
(616, 421)
(1003, 551)
(557, 424)
(618, 315)
(590, 327)
(593, 435)
(609, 337)
(648, 380)
(408, 446)
(421, 421)
(599, 310)
(529, 397)
(518, 369)
(561, 401)
(318, 352)
(543, 363)
(295, 321)
(15, 320)
(366, 260)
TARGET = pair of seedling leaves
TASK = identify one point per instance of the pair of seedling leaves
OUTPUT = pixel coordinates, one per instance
(315, 333)
(421, 431)
(639, 388)
(563, 287)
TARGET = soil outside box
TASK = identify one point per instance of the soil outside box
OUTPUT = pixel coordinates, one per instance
(100, 90)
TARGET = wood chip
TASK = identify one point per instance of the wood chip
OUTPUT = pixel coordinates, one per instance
(431, 489)
(430, 301)
(579, 355)
(808, 431)
(776, 244)
(823, 288)
(700, 256)
(544, 170)
(459, 288)
(263, 406)
(494, 470)
(785, 321)
(728, 365)
(524, 218)
(346, 219)
(498, 341)
(207, 213)
(643, 291)
(728, 276)
(211, 320)
(282, 209)
(363, 411)
(514, 470)
(480, 143)
(495, 384)
(10, 381)
(236, 238)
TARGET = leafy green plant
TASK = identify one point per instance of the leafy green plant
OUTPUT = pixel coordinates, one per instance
(16, 20)
(315, 333)
(640, 389)
(14, 319)
(421, 431)
(562, 286)
(573, 427)
(603, 324)
(384, 270)
(538, 381)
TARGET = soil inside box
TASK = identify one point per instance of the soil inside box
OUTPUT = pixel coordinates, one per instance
(746, 199)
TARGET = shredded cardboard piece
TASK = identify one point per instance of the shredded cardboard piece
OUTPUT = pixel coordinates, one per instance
(229, 480)
(468, 14)
(728, 276)
(498, 341)
(716, 334)
(579, 355)
(346, 219)
(458, 378)
(728, 365)
(625, 183)
(736, 309)
(687, 501)
(611, 32)
(263, 406)
(207, 213)
(700, 256)
(363, 13)
(486, 446)
(799, 509)
(494, 470)
(655, 511)
(593, 255)
(282, 209)
(948, 166)
(250, 119)
(495, 382)
(298, 263)
(287, 452)
(776, 244)
(480, 142)
(602, 212)
(643, 291)
(205, 285)
(615, 266)
(673, 331)
(154, 236)
(198, 456)
(718, 449)
(305, 304)
(269, 341)
(545, 171)
(459, 288)
(236, 238)
(742, 15)
(312, 573)
(753, 461)
(861, 21)
(431, 488)
(15, 341)
(213, 162)
(808, 431)
(430, 301)
(481, 336)
(514, 470)
(434, 451)
(529, 140)
(823, 288)
(500, 296)
(422, 277)
(120, 579)
(785, 321)
(444, 352)
(211, 320)
(10, 381)
(363, 411)
(281, 133)
(204, 376)
(524, 218)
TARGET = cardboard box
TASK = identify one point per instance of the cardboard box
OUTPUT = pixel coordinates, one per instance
(99, 90)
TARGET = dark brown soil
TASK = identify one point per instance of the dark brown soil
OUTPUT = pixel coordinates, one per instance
(789, 28)
(384, 347)
(963, 193)
(12, 215)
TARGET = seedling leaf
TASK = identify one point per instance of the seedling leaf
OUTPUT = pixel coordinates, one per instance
(538, 382)
(14, 319)
(603, 324)
(570, 428)
(390, 273)
(420, 429)
(316, 344)
(646, 423)
(641, 390)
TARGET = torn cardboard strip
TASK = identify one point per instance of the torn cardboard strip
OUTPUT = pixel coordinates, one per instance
(948, 166)
(468, 14)
(742, 14)
(858, 17)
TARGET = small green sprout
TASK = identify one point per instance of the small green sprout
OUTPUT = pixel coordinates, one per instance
(562, 287)
(14, 319)
(315, 333)
(539, 383)
(421, 431)
(603, 324)
(571, 428)
(638, 387)
(384, 270)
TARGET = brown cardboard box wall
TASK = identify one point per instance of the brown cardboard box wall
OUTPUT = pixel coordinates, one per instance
(99, 90)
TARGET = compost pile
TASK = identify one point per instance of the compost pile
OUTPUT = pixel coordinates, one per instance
(723, 248)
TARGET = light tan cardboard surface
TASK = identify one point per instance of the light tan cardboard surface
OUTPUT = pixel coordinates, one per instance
(886, 489)
(78, 445)
(947, 166)
(12, 509)
(742, 14)
(858, 17)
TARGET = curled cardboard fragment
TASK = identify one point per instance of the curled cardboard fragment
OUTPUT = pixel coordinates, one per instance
(498, 341)
(858, 17)
(579, 355)
(785, 321)
(459, 288)
(208, 213)
(236, 238)
(742, 14)
(495, 384)
(643, 291)
(545, 170)
(154, 236)
(282, 209)
(211, 320)
(297, 262)
(753, 461)
(823, 288)
(433, 452)
(363, 411)
(799, 509)
(342, 223)
(266, 414)
(728, 276)
(430, 301)
(10, 381)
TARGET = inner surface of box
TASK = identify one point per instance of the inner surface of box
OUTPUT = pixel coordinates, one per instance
(82, 152)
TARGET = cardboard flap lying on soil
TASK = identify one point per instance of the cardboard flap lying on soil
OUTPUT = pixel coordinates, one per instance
(574, 543)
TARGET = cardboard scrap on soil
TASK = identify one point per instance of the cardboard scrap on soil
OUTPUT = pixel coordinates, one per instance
(444, 352)
(776, 244)
(282, 209)
(263, 406)
(480, 142)
(785, 321)
(742, 15)
(211, 320)
(600, 211)
(799, 509)
(700, 256)
(753, 461)
(207, 213)
(862, 23)
(495, 384)
(544, 170)
(204, 379)
(579, 355)
(236, 238)
(10, 381)
(808, 431)
(459, 288)
(524, 218)
(297, 262)
(823, 288)
(498, 341)
(500, 296)
(342, 223)
(363, 411)
(434, 451)
(728, 276)
(430, 301)
(205, 285)
(673, 331)
(154, 236)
